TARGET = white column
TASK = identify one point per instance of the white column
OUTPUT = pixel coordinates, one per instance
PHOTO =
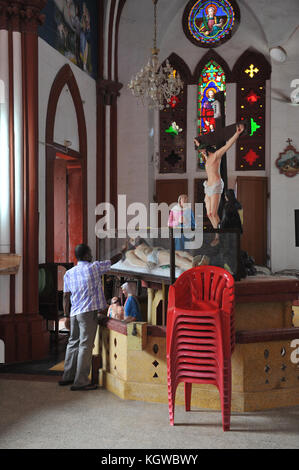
(18, 148)
(4, 172)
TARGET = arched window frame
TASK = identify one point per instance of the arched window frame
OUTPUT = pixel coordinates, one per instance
(211, 55)
(250, 72)
(173, 149)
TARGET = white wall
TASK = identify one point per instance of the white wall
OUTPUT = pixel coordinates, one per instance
(263, 25)
(50, 62)
(284, 190)
(66, 126)
(133, 154)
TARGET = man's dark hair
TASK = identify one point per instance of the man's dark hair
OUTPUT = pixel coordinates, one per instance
(205, 146)
(81, 251)
(209, 148)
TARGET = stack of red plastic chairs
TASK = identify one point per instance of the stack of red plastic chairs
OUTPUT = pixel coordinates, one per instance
(201, 335)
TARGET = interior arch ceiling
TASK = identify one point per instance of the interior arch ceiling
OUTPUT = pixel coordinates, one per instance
(276, 20)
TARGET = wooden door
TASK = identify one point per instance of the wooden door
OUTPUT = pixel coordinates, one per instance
(168, 191)
(75, 210)
(68, 210)
(60, 212)
(252, 194)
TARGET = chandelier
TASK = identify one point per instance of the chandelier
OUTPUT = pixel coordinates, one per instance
(157, 84)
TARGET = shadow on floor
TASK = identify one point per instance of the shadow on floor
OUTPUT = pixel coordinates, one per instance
(42, 367)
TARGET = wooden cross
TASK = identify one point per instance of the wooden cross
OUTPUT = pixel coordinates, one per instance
(289, 141)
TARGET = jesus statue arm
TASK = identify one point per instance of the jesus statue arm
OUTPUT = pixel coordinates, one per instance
(219, 153)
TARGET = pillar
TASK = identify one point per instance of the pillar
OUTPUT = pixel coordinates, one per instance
(21, 327)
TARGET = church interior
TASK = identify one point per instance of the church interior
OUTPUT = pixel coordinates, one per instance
(109, 110)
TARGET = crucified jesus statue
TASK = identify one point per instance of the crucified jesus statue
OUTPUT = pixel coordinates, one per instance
(214, 185)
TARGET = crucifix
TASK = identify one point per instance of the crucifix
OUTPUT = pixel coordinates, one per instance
(289, 141)
(221, 133)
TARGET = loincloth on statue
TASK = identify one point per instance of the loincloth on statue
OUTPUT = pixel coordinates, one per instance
(216, 188)
(153, 257)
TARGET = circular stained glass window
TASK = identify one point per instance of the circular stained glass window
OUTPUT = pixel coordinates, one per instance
(209, 24)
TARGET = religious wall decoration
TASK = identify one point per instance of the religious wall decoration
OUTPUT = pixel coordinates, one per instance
(71, 27)
(174, 100)
(210, 23)
(250, 73)
(173, 123)
(251, 100)
(288, 160)
(173, 129)
(212, 80)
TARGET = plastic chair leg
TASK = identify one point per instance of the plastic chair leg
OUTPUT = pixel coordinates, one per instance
(188, 390)
(171, 408)
(226, 397)
(171, 399)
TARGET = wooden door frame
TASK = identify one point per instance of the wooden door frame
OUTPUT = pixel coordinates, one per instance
(64, 77)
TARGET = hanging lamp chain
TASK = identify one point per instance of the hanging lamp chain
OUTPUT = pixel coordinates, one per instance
(155, 51)
(156, 83)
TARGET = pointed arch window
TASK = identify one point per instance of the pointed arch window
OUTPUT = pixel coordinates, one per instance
(173, 124)
(251, 72)
(211, 80)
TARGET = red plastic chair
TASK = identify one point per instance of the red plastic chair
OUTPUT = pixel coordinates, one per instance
(200, 335)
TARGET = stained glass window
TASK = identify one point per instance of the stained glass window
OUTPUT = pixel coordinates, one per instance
(251, 72)
(250, 150)
(212, 80)
(173, 123)
(209, 24)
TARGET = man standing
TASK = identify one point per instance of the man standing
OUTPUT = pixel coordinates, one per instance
(83, 298)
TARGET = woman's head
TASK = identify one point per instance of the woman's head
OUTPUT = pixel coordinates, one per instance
(183, 199)
(128, 288)
(230, 195)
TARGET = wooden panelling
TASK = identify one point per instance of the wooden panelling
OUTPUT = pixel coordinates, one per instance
(252, 194)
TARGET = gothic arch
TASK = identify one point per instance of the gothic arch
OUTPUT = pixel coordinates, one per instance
(173, 151)
(251, 56)
(64, 77)
(250, 72)
(179, 64)
(211, 55)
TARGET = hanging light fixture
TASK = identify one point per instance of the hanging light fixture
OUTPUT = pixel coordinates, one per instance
(156, 84)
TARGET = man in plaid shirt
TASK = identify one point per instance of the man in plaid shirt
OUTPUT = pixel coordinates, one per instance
(83, 298)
